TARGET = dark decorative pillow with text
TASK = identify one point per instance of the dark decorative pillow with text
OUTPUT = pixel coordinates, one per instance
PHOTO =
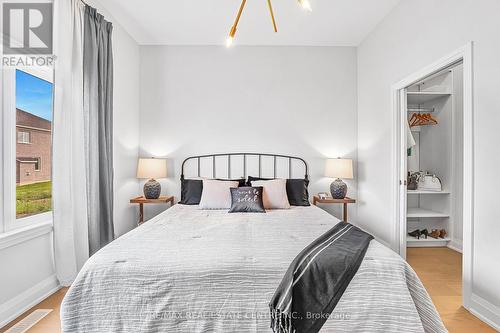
(247, 200)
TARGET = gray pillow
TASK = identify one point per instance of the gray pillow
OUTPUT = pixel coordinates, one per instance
(191, 191)
(247, 200)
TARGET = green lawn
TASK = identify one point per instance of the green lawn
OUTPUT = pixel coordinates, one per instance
(33, 199)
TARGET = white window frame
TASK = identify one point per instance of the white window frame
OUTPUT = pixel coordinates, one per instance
(9, 141)
(23, 140)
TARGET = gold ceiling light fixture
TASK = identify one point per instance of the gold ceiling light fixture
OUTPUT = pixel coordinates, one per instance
(229, 40)
(305, 4)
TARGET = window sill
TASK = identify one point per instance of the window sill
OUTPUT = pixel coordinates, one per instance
(24, 234)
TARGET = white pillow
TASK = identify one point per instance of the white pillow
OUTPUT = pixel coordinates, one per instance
(274, 193)
(216, 194)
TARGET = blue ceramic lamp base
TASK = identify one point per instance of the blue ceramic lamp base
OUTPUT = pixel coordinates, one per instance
(152, 189)
(338, 189)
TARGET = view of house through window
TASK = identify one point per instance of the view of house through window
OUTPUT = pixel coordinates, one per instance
(33, 145)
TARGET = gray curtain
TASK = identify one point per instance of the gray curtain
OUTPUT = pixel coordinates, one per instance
(98, 117)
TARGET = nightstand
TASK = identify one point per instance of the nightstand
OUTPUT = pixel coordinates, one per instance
(142, 200)
(329, 200)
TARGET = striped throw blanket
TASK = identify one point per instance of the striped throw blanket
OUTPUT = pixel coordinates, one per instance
(317, 278)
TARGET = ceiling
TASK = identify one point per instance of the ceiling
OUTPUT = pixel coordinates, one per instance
(207, 22)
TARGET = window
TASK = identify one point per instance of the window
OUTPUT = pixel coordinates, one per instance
(23, 137)
(37, 164)
(26, 141)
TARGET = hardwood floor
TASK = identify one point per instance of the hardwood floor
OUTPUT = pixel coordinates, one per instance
(440, 270)
(51, 322)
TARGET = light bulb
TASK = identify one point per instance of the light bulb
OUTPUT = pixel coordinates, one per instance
(306, 5)
(229, 41)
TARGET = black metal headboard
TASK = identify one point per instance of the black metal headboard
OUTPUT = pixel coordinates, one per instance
(259, 155)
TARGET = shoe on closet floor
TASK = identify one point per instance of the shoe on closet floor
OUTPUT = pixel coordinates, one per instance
(424, 233)
(442, 233)
(435, 233)
(415, 233)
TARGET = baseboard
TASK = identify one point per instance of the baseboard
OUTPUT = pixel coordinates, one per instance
(455, 246)
(16, 306)
(486, 311)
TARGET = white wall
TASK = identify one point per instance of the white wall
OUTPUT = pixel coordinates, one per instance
(27, 273)
(125, 129)
(292, 100)
(33, 258)
(401, 45)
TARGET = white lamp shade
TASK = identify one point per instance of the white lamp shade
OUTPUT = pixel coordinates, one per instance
(339, 168)
(152, 168)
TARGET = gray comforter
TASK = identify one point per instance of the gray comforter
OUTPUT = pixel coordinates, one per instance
(191, 270)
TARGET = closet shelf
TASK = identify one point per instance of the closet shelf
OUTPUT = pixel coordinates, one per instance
(426, 192)
(420, 109)
(429, 242)
(421, 97)
(414, 212)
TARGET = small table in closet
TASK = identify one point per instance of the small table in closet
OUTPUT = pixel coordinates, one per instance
(142, 200)
(345, 201)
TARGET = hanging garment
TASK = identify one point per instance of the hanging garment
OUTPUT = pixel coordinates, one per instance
(410, 140)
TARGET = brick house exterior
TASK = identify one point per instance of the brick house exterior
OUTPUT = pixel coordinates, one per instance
(33, 148)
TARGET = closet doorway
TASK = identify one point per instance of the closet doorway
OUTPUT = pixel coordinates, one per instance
(433, 186)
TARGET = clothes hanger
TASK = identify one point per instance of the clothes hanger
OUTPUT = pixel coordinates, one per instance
(432, 119)
(429, 119)
(425, 119)
(415, 119)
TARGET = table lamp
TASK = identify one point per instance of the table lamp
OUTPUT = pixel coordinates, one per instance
(151, 168)
(338, 168)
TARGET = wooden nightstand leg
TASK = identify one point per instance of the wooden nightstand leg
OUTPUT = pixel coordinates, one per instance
(345, 212)
(141, 213)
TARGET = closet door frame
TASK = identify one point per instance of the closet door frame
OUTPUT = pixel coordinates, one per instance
(403, 167)
(463, 54)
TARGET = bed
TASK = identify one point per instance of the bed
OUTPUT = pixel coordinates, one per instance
(192, 270)
(189, 270)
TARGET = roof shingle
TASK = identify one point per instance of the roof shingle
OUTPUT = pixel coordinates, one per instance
(27, 119)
